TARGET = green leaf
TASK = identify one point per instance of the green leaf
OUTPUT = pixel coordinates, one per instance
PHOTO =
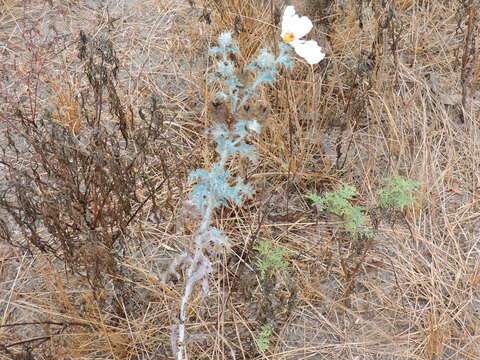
(398, 193)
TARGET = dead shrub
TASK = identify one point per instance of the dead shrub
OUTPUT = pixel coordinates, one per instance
(76, 184)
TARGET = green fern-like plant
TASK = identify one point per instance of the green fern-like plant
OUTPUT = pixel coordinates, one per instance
(338, 203)
(398, 194)
(270, 261)
(263, 339)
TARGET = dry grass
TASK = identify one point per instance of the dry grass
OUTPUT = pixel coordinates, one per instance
(397, 94)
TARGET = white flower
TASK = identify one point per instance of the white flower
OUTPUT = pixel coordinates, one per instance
(294, 28)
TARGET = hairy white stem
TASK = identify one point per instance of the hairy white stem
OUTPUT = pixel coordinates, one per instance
(197, 270)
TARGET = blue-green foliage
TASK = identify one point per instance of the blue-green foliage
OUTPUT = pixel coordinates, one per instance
(226, 68)
(226, 44)
(216, 186)
(213, 188)
(266, 68)
(231, 142)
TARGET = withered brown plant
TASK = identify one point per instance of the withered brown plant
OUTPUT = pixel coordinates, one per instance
(75, 185)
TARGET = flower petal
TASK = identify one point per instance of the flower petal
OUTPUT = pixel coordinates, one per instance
(292, 23)
(309, 50)
(287, 20)
(302, 27)
(289, 11)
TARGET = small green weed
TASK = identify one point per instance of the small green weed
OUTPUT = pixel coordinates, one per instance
(270, 261)
(337, 202)
(263, 340)
(398, 194)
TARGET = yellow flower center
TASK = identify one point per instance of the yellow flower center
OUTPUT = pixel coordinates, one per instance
(288, 37)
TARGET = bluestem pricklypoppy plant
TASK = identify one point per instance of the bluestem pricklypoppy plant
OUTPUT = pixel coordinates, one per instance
(217, 186)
